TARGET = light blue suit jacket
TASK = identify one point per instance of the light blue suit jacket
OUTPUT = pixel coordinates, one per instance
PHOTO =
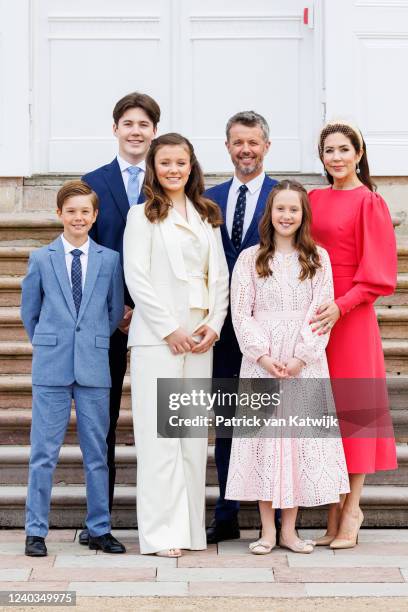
(68, 348)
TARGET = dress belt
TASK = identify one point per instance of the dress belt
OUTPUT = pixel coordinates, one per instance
(203, 275)
(280, 315)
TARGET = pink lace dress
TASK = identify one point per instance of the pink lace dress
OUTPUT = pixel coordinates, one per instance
(271, 316)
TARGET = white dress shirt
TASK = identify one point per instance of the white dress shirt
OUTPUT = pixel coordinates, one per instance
(124, 165)
(252, 195)
(69, 257)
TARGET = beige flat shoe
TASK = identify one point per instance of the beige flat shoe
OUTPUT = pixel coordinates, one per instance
(171, 553)
(261, 547)
(301, 546)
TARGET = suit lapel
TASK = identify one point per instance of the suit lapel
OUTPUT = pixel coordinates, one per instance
(173, 247)
(260, 206)
(114, 180)
(57, 256)
(222, 203)
(212, 243)
(92, 271)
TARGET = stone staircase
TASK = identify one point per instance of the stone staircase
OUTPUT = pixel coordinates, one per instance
(385, 498)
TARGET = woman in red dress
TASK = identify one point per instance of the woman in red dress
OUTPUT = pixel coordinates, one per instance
(354, 225)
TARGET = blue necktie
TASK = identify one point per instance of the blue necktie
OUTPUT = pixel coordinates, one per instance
(133, 185)
(239, 214)
(76, 278)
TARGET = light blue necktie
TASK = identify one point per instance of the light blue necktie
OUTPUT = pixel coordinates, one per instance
(76, 278)
(133, 185)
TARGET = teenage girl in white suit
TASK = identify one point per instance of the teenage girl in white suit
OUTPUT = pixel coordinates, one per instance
(177, 275)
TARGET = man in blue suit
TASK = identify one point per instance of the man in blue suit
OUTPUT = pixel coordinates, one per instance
(72, 301)
(119, 185)
(242, 201)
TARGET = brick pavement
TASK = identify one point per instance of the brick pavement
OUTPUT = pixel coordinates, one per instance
(377, 568)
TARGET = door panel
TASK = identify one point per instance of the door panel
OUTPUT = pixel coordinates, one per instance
(367, 50)
(201, 61)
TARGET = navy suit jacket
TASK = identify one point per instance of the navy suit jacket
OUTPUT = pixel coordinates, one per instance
(227, 354)
(110, 223)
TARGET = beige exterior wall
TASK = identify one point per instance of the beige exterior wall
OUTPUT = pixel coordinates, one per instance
(37, 194)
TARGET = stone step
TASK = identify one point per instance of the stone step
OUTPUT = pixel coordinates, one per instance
(403, 256)
(15, 356)
(383, 506)
(15, 392)
(400, 297)
(11, 326)
(10, 291)
(396, 355)
(14, 461)
(28, 229)
(15, 424)
(13, 259)
(393, 321)
(32, 229)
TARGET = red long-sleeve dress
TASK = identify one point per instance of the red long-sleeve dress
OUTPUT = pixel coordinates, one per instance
(355, 227)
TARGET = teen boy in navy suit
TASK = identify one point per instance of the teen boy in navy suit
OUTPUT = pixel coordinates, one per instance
(72, 301)
(119, 185)
(242, 201)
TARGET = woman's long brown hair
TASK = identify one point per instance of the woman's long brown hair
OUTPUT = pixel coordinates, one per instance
(158, 203)
(305, 245)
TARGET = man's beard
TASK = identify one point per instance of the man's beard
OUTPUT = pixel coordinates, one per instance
(247, 170)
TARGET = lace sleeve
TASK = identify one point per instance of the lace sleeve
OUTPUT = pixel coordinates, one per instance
(251, 338)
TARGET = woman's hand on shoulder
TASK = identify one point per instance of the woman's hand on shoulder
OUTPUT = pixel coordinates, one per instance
(325, 318)
(209, 337)
(274, 367)
(180, 342)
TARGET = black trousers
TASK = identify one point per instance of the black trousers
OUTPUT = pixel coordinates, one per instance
(118, 365)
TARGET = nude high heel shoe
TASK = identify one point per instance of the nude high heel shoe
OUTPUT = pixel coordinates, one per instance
(324, 540)
(340, 543)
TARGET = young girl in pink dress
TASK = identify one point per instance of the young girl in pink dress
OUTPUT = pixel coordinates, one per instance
(277, 286)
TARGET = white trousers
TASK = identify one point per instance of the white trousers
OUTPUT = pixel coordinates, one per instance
(170, 472)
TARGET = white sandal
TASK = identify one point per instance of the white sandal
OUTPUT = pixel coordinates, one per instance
(167, 553)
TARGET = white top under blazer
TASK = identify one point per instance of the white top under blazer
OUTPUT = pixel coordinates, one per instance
(165, 284)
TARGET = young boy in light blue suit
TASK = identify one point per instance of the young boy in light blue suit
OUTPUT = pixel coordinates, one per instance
(72, 301)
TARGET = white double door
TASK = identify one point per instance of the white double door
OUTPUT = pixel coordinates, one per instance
(202, 61)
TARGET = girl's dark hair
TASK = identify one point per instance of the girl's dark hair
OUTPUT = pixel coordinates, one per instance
(158, 203)
(359, 145)
(305, 245)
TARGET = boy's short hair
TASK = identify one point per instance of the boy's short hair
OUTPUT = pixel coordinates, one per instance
(137, 100)
(75, 188)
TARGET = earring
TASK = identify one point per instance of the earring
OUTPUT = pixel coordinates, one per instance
(358, 168)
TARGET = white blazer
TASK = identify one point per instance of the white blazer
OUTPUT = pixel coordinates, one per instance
(157, 280)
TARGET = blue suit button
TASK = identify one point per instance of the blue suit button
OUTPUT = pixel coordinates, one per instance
(78, 329)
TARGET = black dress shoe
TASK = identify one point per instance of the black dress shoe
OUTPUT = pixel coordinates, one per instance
(35, 547)
(222, 530)
(107, 543)
(83, 537)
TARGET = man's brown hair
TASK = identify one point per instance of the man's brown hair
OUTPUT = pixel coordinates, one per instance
(75, 188)
(137, 100)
